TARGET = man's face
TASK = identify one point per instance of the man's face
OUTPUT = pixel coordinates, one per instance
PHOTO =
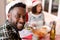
(17, 17)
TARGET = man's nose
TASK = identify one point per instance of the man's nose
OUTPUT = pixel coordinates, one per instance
(21, 19)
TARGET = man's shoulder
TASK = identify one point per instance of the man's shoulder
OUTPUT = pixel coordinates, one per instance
(3, 31)
(2, 27)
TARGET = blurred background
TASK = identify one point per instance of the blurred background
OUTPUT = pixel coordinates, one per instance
(49, 6)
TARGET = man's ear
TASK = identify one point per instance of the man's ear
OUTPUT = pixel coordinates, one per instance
(9, 15)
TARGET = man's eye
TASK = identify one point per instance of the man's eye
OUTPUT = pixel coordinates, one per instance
(23, 17)
(17, 16)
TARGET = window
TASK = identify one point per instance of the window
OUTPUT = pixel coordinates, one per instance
(51, 6)
(54, 9)
(46, 5)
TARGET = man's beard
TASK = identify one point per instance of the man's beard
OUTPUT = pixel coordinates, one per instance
(20, 26)
(14, 24)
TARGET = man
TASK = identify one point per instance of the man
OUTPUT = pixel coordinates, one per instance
(16, 16)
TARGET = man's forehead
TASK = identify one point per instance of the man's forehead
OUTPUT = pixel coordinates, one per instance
(18, 10)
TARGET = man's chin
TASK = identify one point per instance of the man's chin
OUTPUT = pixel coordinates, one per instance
(19, 29)
(20, 26)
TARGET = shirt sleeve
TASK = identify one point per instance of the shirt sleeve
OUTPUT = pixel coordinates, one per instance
(3, 33)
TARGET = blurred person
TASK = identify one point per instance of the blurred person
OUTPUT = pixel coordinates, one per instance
(16, 11)
(36, 21)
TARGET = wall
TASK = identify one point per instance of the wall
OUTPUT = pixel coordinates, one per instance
(2, 11)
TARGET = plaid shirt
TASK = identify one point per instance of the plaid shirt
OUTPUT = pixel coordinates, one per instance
(8, 32)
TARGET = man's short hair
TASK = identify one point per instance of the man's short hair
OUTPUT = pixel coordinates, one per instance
(17, 5)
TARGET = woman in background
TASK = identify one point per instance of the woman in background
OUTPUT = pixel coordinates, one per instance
(36, 21)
